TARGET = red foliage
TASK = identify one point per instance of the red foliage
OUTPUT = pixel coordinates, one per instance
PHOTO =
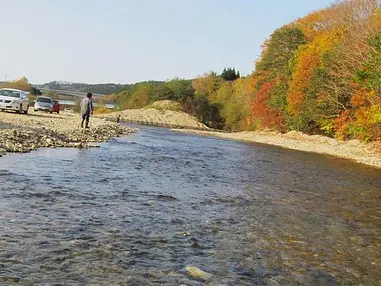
(340, 125)
(267, 116)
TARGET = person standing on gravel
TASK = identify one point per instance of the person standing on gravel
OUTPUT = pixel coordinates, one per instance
(86, 109)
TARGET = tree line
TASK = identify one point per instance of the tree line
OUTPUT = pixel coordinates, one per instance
(102, 88)
(195, 96)
(22, 84)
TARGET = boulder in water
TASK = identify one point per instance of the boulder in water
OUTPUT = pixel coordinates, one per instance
(197, 273)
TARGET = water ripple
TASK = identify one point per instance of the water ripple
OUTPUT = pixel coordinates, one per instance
(140, 209)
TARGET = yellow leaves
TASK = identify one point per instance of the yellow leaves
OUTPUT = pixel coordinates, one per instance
(376, 113)
(312, 24)
(306, 60)
(21, 84)
(323, 43)
(223, 94)
(364, 97)
(207, 85)
(239, 85)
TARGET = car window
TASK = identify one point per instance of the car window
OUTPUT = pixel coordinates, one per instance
(11, 93)
(44, 99)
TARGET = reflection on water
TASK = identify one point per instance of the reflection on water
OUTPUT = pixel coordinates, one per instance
(140, 209)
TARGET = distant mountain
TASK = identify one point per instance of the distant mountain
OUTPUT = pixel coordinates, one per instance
(102, 88)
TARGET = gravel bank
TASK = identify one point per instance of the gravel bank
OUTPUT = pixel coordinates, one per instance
(157, 116)
(24, 133)
(368, 154)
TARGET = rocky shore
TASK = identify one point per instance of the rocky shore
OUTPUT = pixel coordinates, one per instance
(368, 154)
(24, 133)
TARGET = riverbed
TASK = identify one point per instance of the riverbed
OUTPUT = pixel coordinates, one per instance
(142, 208)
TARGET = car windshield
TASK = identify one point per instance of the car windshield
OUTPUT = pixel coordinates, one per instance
(44, 99)
(11, 93)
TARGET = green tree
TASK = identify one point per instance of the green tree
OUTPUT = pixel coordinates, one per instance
(161, 92)
(279, 50)
(230, 74)
(35, 91)
(181, 89)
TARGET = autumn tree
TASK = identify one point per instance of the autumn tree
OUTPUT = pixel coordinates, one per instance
(327, 79)
(21, 84)
(272, 75)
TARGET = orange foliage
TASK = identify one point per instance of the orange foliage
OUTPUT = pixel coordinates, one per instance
(360, 97)
(267, 116)
(341, 124)
(363, 121)
(301, 80)
(308, 59)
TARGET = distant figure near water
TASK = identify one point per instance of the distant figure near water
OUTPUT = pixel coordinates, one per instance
(86, 109)
(118, 118)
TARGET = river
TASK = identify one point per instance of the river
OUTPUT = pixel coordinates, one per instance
(140, 209)
(72, 103)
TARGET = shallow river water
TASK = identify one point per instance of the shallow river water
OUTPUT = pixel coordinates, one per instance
(140, 209)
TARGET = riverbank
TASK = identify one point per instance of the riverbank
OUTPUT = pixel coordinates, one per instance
(23, 133)
(163, 113)
(368, 154)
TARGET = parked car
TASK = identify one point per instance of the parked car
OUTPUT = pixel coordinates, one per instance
(43, 103)
(56, 106)
(14, 99)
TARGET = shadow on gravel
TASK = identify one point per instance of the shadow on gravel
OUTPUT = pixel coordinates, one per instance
(45, 115)
(4, 125)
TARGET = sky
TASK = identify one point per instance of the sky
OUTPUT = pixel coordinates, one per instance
(126, 41)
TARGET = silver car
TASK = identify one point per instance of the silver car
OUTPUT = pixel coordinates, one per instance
(14, 99)
(43, 103)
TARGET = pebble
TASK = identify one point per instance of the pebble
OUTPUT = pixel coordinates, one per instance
(24, 134)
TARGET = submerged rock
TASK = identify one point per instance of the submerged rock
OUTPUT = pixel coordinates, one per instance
(197, 273)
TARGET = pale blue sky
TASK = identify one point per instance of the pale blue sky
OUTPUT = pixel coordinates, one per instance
(124, 41)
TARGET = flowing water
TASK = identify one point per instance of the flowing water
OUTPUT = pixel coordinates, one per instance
(140, 209)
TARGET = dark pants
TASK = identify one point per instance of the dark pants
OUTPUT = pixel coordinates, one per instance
(86, 116)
